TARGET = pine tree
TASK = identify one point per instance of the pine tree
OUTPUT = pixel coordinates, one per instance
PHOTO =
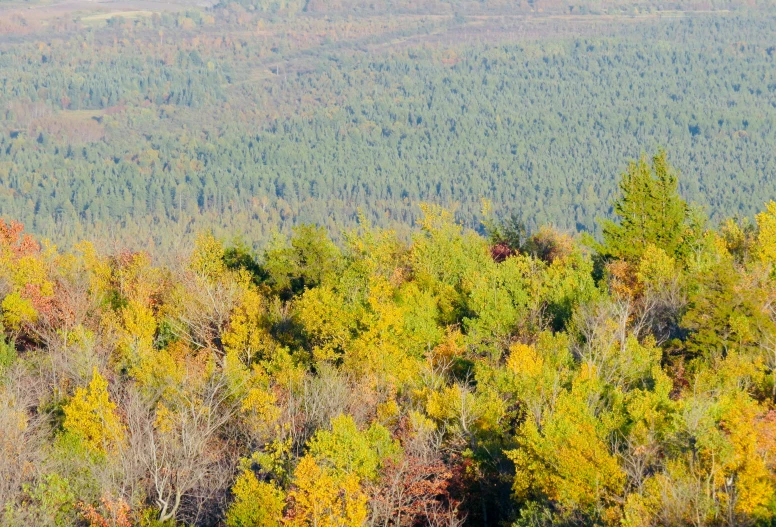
(650, 211)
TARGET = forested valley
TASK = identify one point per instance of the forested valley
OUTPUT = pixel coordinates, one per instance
(250, 119)
(521, 378)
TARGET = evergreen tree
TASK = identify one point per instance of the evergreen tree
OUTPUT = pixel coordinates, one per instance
(650, 211)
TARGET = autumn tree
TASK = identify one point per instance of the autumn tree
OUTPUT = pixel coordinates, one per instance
(91, 416)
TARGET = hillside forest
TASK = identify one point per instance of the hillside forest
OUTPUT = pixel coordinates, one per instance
(142, 127)
(520, 378)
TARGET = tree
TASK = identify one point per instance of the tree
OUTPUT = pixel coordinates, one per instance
(726, 314)
(766, 235)
(91, 416)
(183, 449)
(321, 498)
(256, 503)
(566, 460)
(310, 260)
(650, 211)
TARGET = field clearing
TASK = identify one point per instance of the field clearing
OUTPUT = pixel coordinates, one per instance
(81, 115)
(95, 10)
(125, 14)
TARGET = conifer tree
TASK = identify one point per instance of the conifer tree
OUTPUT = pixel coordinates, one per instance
(650, 211)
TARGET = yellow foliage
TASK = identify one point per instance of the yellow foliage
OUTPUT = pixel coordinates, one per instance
(246, 336)
(208, 257)
(259, 408)
(256, 503)
(766, 237)
(638, 511)
(524, 360)
(165, 418)
(17, 311)
(656, 267)
(567, 459)
(388, 411)
(91, 416)
(754, 488)
(139, 325)
(730, 236)
(97, 268)
(379, 349)
(321, 312)
(435, 217)
(449, 349)
(31, 270)
(322, 500)
(164, 373)
(462, 409)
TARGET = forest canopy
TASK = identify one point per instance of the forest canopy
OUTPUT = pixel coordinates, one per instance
(523, 377)
(148, 129)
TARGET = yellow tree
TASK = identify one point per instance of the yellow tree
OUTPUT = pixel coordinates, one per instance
(91, 416)
(256, 503)
(566, 459)
(327, 482)
(247, 337)
(766, 236)
(379, 350)
(24, 267)
(320, 498)
(748, 487)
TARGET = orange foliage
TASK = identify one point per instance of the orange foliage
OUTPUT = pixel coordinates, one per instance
(12, 237)
(116, 513)
(623, 282)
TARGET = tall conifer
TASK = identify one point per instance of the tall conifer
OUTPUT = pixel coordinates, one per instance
(650, 211)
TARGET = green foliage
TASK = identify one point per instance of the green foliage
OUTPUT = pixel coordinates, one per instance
(309, 260)
(725, 315)
(501, 296)
(399, 380)
(649, 209)
(381, 130)
(348, 450)
(512, 232)
(239, 256)
(53, 501)
(7, 354)
(427, 369)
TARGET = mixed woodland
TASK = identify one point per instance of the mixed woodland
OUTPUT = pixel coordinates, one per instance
(335, 264)
(521, 378)
(251, 118)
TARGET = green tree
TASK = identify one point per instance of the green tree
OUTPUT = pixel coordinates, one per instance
(310, 259)
(649, 209)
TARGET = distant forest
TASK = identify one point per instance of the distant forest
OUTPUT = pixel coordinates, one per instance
(250, 119)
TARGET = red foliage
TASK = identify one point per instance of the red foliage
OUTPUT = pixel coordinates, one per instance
(766, 428)
(415, 489)
(12, 236)
(500, 252)
(43, 304)
(116, 513)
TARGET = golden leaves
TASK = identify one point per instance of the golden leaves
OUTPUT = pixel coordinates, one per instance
(91, 416)
(322, 499)
(766, 237)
